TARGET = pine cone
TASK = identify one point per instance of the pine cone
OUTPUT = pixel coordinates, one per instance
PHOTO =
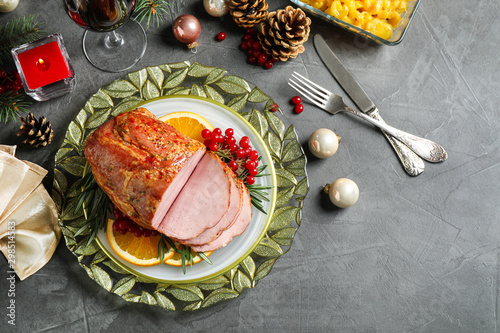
(284, 32)
(36, 132)
(248, 13)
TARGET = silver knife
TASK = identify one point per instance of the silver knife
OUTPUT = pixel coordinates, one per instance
(412, 163)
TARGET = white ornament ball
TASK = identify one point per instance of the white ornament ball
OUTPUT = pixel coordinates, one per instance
(323, 143)
(216, 8)
(343, 192)
(8, 5)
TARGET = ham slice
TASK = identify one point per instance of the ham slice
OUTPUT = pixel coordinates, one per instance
(141, 163)
(202, 202)
(236, 229)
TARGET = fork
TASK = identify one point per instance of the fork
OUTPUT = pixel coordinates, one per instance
(332, 103)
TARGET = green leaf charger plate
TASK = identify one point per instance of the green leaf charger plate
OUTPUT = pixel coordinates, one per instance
(226, 101)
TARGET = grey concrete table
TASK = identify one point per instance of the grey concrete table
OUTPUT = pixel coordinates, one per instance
(413, 255)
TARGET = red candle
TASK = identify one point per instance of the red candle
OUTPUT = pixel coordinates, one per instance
(43, 65)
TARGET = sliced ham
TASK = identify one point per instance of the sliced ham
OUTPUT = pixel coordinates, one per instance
(202, 202)
(141, 163)
(239, 226)
(235, 205)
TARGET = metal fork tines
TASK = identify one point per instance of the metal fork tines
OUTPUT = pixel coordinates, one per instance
(332, 103)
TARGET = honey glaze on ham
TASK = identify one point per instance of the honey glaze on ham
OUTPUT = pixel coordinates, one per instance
(141, 163)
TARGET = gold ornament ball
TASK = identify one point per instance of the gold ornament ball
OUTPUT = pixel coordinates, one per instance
(216, 8)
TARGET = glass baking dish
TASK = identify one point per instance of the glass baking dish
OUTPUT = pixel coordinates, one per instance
(397, 34)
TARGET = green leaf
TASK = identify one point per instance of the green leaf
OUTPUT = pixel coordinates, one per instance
(124, 285)
(149, 91)
(257, 96)
(73, 134)
(233, 85)
(187, 293)
(214, 283)
(127, 104)
(62, 154)
(215, 75)
(192, 306)
(138, 78)
(163, 301)
(178, 91)
(101, 277)
(273, 143)
(165, 68)
(297, 167)
(258, 121)
(213, 94)
(99, 257)
(174, 79)
(275, 124)
(156, 75)
(58, 200)
(197, 70)
(284, 196)
(101, 100)
(80, 119)
(219, 295)
(118, 269)
(285, 178)
(147, 298)
(241, 281)
(291, 152)
(248, 266)
(74, 165)
(197, 91)
(179, 65)
(282, 217)
(265, 268)
(60, 182)
(85, 249)
(98, 118)
(120, 89)
(290, 133)
(302, 187)
(238, 102)
(268, 248)
(285, 236)
(132, 298)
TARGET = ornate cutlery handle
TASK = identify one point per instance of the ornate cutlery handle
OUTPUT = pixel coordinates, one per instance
(427, 149)
(412, 164)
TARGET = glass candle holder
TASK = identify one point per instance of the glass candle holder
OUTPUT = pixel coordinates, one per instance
(45, 68)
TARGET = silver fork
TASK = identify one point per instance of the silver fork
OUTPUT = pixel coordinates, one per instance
(328, 101)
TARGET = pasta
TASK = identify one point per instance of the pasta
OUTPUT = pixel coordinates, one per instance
(378, 17)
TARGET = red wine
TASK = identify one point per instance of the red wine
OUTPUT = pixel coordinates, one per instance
(99, 15)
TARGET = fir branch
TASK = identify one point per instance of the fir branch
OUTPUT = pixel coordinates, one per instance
(16, 32)
(152, 10)
(12, 104)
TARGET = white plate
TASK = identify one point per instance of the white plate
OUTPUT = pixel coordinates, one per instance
(225, 258)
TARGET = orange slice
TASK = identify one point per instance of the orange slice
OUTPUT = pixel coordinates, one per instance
(176, 258)
(140, 251)
(188, 123)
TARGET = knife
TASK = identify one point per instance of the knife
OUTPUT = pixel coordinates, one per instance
(412, 163)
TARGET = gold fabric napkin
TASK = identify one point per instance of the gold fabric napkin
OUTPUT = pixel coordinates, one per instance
(29, 232)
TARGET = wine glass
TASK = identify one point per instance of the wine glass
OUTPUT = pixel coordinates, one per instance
(111, 42)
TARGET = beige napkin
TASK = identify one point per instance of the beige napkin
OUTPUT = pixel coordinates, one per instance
(29, 232)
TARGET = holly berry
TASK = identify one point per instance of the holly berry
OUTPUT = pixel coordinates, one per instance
(268, 64)
(221, 36)
(296, 100)
(299, 108)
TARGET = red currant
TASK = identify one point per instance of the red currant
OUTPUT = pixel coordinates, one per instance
(250, 180)
(250, 31)
(118, 213)
(256, 45)
(252, 59)
(217, 131)
(3, 74)
(221, 36)
(132, 229)
(274, 60)
(248, 37)
(207, 142)
(299, 108)
(296, 100)
(240, 153)
(116, 227)
(231, 140)
(262, 59)
(138, 233)
(124, 224)
(2, 89)
(122, 231)
(233, 147)
(244, 142)
(254, 155)
(268, 64)
(250, 165)
(253, 172)
(256, 53)
(233, 165)
(229, 132)
(154, 233)
(245, 45)
(214, 147)
(146, 233)
(205, 134)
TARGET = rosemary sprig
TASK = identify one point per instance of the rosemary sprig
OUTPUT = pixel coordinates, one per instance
(185, 251)
(152, 10)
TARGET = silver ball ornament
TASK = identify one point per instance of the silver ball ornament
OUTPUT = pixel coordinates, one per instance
(323, 143)
(216, 8)
(7, 6)
(343, 192)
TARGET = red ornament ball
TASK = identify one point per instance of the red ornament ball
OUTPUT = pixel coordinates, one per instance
(187, 29)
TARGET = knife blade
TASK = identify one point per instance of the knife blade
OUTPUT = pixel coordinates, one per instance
(412, 163)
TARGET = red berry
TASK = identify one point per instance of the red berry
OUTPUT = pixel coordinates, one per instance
(132, 229)
(207, 142)
(3, 74)
(116, 227)
(250, 180)
(229, 132)
(252, 59)
(250, 31)
(221, 36)
(240, 153)
(274, 60)
(146, 233)
(231, 140)
(244, 142)
(154, 233)
(268, 64)
(299, 108)
(256, 45)
(2, 89)
(296, 100)
(253, 172)
(217, 131)
(233, 147)
(248, 37)
(233, 165)
(214, 147)
(253, 155)
(205, 134)
(124, 224)
(244, 45)
(138, 233)
(250, 165)
(256, 53)
(262, 59)
(118, 213)
(122, 231)
(15, 86)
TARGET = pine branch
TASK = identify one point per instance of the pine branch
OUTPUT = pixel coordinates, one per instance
(16, 32)
(152, 11)
(12, 105)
